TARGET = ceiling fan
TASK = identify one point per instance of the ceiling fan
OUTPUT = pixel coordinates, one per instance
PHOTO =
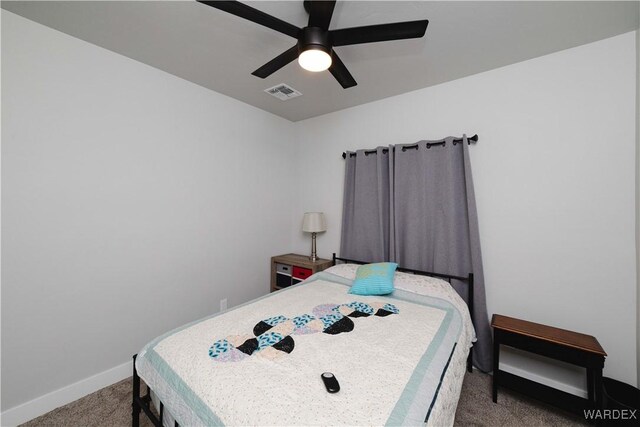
(314, 49)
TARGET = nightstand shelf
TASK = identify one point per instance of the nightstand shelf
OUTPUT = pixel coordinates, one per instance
(290, 269)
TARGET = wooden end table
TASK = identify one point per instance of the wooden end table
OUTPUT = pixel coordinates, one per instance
(290, 269)
(560, 344)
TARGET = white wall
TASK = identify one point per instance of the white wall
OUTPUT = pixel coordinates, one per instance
(554, 176)
(133, 201)
(638, 202)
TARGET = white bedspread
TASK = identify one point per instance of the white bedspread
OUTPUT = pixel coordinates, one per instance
(392, 369)
(444, 409)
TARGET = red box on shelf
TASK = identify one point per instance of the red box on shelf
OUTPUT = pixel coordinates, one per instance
(301, 273)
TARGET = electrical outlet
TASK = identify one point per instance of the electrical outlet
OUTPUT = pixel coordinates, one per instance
(223, 304)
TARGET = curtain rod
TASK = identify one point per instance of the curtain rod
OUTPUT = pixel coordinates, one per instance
(473, 138)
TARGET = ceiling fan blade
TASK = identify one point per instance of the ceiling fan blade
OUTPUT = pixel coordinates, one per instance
(254, 15)
(276, 63)
(320, 13)
(340, 72)
(379, 33)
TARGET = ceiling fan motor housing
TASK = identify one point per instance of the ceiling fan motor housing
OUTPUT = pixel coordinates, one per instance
(314, 38)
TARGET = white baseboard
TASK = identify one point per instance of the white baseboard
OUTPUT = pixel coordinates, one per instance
(544, 380)
(50, 401)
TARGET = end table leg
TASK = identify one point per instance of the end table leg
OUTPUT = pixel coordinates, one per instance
(598, 388)
(496, 365)
(598, 392)
(590, 388)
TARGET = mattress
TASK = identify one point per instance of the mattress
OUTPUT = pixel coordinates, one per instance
(399, 358)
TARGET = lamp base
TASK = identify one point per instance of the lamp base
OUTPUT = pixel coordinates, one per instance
(314, 255)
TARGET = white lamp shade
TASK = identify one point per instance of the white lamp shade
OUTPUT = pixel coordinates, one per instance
(314, 222)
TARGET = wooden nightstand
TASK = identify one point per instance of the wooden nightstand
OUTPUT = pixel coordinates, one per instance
(560, 344)
(289, 269)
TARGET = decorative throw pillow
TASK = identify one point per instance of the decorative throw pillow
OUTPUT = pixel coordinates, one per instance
(374, 279)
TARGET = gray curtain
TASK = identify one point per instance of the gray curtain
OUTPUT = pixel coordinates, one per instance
(367, 216)
(417, 208)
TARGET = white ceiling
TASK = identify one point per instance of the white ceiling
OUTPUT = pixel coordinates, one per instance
(219, 51)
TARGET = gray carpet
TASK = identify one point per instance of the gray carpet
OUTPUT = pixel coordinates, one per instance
(111, 407)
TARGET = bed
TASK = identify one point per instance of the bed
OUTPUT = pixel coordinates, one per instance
(400, 358)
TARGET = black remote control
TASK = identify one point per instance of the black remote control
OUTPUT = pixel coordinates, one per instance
(330, 382)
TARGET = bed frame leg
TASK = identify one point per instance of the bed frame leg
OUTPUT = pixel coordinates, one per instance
(472, 314)
(135, 412)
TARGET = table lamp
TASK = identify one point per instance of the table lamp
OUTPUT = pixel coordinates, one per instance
(313, 222)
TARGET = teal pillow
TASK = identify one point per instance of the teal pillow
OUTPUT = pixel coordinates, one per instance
(374, 279)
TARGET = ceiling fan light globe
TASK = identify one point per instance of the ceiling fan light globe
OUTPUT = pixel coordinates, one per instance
(314, 60)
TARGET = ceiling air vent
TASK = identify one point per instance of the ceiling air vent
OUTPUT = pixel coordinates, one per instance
(283, 92)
